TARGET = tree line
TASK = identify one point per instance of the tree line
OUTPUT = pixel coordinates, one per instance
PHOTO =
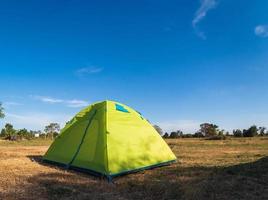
(51, 131)
(207, 130)
(10, 133)
(212, 131)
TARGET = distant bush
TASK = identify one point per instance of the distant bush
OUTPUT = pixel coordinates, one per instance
(217, 137)
(262, 131)
(166, 135)
(188, 135)
(43, 136)
(208, 131)
(237, 133)
(9, 133)
(11, 137)
(251, 132)
(176, 134)
(198, 135)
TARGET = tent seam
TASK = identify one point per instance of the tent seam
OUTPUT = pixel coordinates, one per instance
(82, 141)
(106, 131)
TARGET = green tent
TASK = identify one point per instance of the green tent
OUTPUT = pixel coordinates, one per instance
(109, 139)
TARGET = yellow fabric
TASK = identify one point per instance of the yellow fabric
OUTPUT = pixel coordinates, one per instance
(109, 138)
(132, 142)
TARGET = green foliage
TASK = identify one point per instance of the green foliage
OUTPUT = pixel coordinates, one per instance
(3, 133)
(217, 137)
(251, 132)
(9, 132)
(211, 132)
(237, 133)
(208, 129)
(43, 135)
(24, 133)
(187, 135)
(52, 130)
(198, 134)
(166, 135)
(262, 131)
(176, 134)
(221, 133)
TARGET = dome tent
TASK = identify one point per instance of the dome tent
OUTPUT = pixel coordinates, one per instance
(109, 139)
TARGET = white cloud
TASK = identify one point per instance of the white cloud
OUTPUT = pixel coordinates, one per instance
(69, 103)
(35, 121)
(261, 30)
(187, 126)
(11, 103)
(47, 99)
(77, 103)
(89, 70)
(201, 13)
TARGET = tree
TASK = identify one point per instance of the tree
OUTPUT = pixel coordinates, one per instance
(2, 115)
(166, 135)
(3, 133)
(187, 135)
(237, 133)
(174, 135)
(9, 129)
(262, 131)
(251, 132)
(180, 133)
(158, 129)
(198, 134)
(221, 132)
(52, 130)
(208, 129)
(22, 133)
(9, 132)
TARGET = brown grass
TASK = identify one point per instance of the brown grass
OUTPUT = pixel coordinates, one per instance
(229, 169)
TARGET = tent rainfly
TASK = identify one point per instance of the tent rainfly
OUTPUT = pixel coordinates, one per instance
(109, 139)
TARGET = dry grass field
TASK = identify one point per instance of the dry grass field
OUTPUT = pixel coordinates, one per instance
(229, 169)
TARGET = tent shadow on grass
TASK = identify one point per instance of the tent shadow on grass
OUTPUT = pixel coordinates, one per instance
(34, 158)
(39, 160)
(243, 181)
(121, 164)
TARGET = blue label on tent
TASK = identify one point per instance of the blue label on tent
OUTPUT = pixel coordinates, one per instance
(121, 108)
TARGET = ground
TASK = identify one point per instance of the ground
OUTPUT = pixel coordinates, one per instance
(228, 169)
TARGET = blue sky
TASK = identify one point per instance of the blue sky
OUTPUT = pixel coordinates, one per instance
(179, 62)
